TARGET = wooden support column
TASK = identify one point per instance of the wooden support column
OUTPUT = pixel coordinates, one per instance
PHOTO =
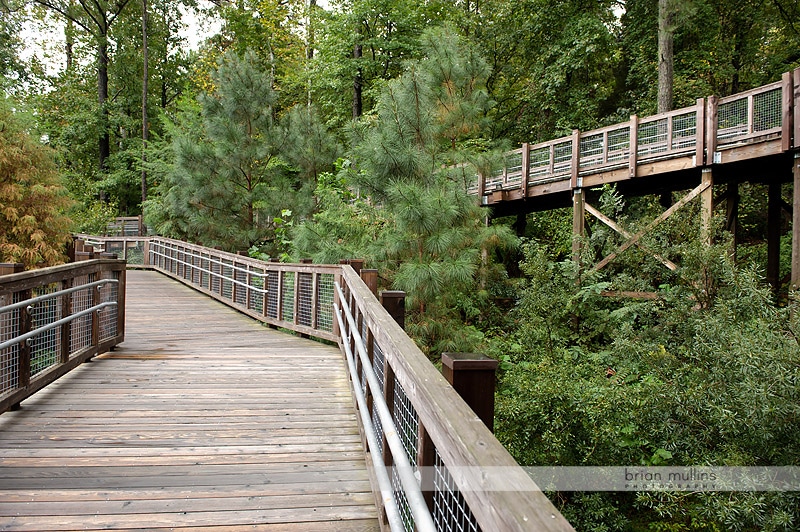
(774, 236)
(472, 375)
(796, 224)
(707, 208)
(578, 222)
(732, 216)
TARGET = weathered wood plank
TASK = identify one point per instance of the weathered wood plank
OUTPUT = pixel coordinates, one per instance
(201, 418)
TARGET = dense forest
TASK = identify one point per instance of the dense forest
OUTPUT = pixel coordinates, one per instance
(294, 130)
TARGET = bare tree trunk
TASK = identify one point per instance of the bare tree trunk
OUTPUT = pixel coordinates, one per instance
(666, 58)
(357, 83)
(145, 80)
(104, 142)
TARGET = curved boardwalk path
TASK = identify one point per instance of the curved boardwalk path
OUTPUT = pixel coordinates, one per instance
(201, 418)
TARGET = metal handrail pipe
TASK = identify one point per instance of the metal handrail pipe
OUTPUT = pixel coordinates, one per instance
(45, 297)
(209, 259)
(419, 508)
(59, 323)
(382, 476)
(215, 274)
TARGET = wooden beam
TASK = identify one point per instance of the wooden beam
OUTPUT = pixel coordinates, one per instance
(787, 111)
(700, 135)
(796, 105)
(707, 209)
(578, 222)
(774, 236)
(576, 158)
(666, 214)
(613, 225)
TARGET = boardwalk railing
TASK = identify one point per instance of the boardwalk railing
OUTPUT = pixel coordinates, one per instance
(53, 319)
(436, 465)
(703, 133)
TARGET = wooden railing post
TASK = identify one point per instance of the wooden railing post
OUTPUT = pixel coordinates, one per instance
(394, 301)
(66, 329)
(472, 375)
(633, 141)
(575, 165)
(787, 93)
(526, 168)
(700, 136)
(7, 268)
(24, 361)
(370, 278)
(711, 130)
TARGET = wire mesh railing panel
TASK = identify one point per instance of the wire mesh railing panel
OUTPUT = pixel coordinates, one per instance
(273, 290)
(81, 332)
(401, 500)
(562, 158)
(134, 252)
(538, 164)
(495, 180)
(240, 276)
(732, 120)
(257, 296)
(406, 421)
(684, 131)
(45, 347)
(378, 366)
(592, 148)
(196, 269)
(325, 291)
(108, 316)
(652, 137)
(227, 276)
(216, 281)
(450, 511)
(305, 298)
(287, 297)
(9, 356)
(767, 110)
(619, 145)
(513, 164)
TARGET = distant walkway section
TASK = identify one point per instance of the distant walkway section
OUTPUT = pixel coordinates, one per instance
(201, 418)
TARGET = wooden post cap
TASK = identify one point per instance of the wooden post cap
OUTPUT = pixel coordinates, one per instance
(472, 375)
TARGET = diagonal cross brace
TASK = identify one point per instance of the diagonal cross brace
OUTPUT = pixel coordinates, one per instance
(613, 225)
(635, 238)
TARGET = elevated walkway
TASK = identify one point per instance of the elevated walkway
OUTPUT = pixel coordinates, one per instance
(201, 418)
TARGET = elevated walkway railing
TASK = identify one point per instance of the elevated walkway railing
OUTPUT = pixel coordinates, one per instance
(704, 134)
(436, 466)
(53, 319)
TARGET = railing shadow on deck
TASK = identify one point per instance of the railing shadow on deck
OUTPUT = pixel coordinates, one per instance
(436, 466)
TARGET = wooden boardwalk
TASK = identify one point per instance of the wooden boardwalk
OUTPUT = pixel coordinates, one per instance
(202, 418)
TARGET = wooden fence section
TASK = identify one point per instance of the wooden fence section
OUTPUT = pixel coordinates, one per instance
(202, 418)
(53, 319)
(435, 465)
(757, 123)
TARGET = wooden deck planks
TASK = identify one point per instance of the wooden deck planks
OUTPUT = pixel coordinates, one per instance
(202, 418)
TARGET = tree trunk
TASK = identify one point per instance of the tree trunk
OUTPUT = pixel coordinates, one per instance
(145, 73)
(357, 83)
(666, 58)
(104, 142)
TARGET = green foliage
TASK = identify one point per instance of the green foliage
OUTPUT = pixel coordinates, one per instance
(704, 375)
(232, 177)
(33, 227)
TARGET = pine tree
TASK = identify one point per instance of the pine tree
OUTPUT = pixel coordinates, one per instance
(436, 240)
(236, 168)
